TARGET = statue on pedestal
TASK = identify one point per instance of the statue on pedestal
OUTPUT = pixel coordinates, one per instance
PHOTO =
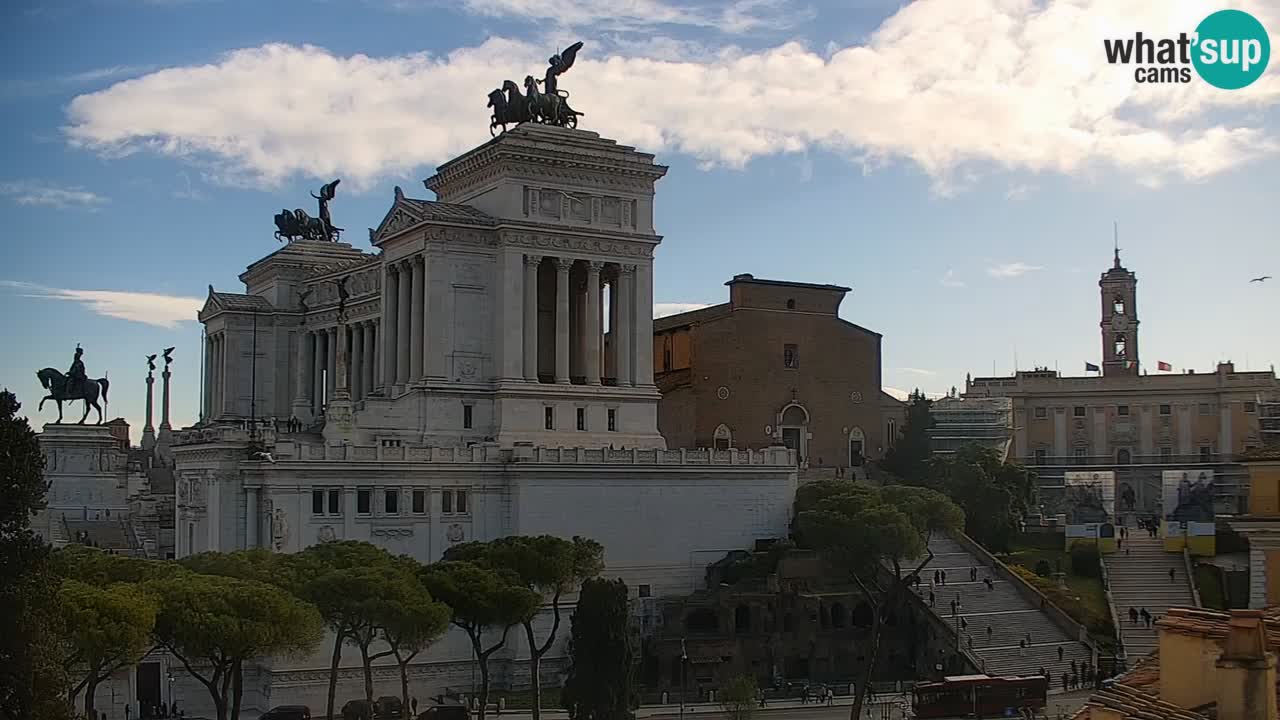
(298, 225)
(549, 106)
(75, 385)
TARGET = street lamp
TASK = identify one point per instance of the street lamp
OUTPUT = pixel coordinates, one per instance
(684, 661)
(170, 674)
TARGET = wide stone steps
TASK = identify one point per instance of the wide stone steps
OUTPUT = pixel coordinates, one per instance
(1010, 616)
(1139, 579)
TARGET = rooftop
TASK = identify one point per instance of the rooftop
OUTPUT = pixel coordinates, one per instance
(749, 278)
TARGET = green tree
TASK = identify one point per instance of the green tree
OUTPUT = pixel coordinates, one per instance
(213, 624)
(993, 493)
(482, 600)
(259, 564)
(108, 628)
(864, 531)
(32, 682)
(336, 577)
(909, 455)
(601, 680)
(738, 697)
(411, 620)
(547, 565)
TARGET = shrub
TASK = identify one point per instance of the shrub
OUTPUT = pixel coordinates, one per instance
(1044, 569)
(1085, 560)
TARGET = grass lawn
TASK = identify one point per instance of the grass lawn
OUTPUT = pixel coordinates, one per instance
(1083, 599)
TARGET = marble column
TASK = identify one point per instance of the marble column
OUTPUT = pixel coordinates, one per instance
(562, 319)
(206, 405)
(367, 363)
(592, 324)
(165, 375)
(416, 321)
(404, 317)
(304, 367)
(390, 324)
(252, 518)
(219, 398)
(331, 363)
(147, 429)
(357, 361)
(642, 312)
(622, 333)
(531, 263)
(317, 373)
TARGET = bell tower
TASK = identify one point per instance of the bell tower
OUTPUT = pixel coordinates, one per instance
(1119, 290)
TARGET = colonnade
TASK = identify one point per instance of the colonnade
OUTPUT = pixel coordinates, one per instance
(215, 387)
(317, 381)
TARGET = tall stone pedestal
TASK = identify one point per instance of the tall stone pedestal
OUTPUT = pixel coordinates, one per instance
(87, 471)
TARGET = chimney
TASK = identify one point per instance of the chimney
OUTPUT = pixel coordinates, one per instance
(1246, 671)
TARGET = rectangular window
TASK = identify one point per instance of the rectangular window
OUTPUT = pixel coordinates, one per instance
(317, 502)
(363, 503)
(549, 418)
(1250, 406)
(446, 501)
(1166, 454)
(644, 591)
(419, 502)
(391, 502)
(1166, 410)
(790, 356)
(1206, 453)
(1205, 409)
(1122, 410)
(613, 420)
(1079, 411)
(1081, 454)
(335, 502)
(1041, 413)
(461, 502)
(466, 416)
(582, 418)
(1041, 453)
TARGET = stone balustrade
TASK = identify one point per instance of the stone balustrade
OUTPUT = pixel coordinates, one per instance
(289, 451)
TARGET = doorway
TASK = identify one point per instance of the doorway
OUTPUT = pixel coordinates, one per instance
(791, 438)
(148, 675)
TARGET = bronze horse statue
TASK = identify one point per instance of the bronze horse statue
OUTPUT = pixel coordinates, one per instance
(549, 108)
(509, 107)
(56, 383)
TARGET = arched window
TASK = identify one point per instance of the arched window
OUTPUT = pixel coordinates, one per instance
(742, 619)
(791, 303)
(857, 447)
(1117, 305)
(891, 432)
(723, 438)
(1121, 345)
(1122, 456)
(862, 615)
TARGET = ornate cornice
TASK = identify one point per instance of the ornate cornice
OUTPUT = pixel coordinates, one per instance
(549, 243)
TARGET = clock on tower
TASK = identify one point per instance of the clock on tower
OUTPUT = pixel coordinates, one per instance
(1119, 289)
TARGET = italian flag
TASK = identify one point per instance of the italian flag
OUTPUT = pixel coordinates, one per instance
(1162, 366)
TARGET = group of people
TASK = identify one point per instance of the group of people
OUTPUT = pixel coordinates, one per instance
(1082, 676)
(291, 425)
(1146, 617)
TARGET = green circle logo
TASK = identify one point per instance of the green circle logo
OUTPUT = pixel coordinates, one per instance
(1232, 49)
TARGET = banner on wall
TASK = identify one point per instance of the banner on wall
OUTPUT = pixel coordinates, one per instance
(1089, 497)
(1187, 495)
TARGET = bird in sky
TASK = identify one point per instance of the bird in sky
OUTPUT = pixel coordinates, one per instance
(1264, 278)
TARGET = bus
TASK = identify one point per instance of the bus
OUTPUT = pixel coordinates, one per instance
(980, 696)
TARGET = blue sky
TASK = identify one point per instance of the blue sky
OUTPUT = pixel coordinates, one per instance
(959, 165)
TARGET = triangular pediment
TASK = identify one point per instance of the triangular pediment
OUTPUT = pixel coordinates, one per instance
(400, 217)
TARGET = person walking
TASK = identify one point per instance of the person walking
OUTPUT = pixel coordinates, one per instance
(933, 600)
(944, 576)
(989, 631)
(1022, 647)
(1172, 573)
(1065, 680)
(1061, 652)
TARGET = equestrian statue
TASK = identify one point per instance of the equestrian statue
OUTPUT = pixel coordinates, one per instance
(549, 106)
(298, 225)
(75, 385)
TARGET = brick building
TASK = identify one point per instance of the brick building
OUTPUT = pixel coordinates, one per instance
(774, 365)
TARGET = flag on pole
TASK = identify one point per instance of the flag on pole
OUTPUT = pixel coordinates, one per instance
(1128, 364)
(1090, 367)
(1163, 366)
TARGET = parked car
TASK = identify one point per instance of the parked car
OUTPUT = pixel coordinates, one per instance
(357, 710)
(388, 707)
(287, 712)
(445, 712)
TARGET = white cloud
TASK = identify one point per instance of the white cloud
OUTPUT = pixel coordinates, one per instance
(950, 280)
(165, 311)
(1011, 270)
(663, 309)
(917, 371)
(737, 17)
(31, 192)
(955, 88)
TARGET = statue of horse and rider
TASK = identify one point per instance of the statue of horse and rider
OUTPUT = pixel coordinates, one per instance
(75, 385)
(298, 225)
(549, 106)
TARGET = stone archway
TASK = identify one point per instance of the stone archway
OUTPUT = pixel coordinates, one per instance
(722, 439)
(793, 429)
(857, 447)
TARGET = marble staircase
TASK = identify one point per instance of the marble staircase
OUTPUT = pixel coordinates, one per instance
(992, 622)
(1139, 578)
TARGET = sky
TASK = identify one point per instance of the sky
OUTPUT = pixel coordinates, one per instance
(963, 166)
